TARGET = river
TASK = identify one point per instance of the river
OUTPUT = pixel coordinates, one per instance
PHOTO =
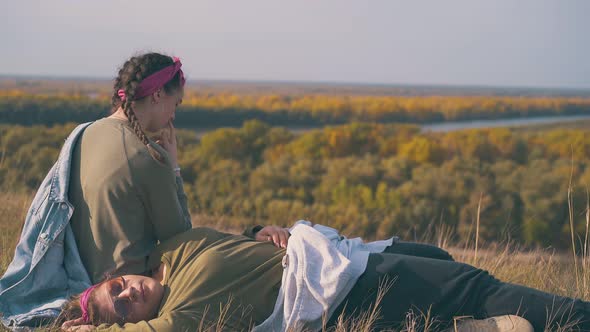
(459, 125)
(520, 122)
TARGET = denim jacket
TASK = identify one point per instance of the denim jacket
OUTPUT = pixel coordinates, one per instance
(46, 269)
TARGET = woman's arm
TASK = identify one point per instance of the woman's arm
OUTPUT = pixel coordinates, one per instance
(251, 231)
(162, 200)
(278, 235)
(168, 322)
(168, 142)
(182, 199)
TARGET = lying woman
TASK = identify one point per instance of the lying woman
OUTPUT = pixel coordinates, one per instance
(204, 278)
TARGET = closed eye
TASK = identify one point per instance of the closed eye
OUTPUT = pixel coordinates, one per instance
(116, 286)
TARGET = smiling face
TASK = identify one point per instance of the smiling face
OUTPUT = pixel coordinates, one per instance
(128, 299)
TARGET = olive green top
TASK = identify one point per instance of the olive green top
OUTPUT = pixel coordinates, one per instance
(214, 279)
(125, 201)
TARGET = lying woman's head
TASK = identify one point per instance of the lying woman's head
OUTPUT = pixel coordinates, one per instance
(126, 299)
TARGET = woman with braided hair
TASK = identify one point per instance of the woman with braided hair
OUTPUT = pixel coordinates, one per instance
(126, 189)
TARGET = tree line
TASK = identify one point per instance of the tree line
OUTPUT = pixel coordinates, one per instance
(374, 180)
(206, 110)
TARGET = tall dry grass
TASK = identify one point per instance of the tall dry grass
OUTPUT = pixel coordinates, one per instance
(12, 214)
(556, 272)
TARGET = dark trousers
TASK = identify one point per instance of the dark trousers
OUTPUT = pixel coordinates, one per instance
(450, 289)
(418, 250)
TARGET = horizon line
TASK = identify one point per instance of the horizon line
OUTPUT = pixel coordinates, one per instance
(311, 82)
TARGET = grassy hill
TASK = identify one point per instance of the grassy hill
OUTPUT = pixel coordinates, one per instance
(541, 268)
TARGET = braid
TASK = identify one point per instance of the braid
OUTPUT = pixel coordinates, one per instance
(115, 99)
(130, 75)
(135, 123)
(130, 90)
(130, 113)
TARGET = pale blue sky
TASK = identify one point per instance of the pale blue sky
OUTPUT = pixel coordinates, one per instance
(537, 43)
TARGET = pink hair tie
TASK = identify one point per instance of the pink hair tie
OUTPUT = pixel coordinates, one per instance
(121, 94)
(156, 80)
(84, 303)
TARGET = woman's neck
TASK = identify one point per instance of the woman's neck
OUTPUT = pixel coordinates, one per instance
(159, 273)
(119, 114)
(140, 115)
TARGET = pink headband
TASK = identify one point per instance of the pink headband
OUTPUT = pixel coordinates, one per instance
(84, 303)
(156, 80)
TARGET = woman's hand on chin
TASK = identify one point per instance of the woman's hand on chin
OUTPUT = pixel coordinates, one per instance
(279, 236)
(167, 140)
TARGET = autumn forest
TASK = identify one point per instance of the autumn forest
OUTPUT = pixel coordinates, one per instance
(367, 170)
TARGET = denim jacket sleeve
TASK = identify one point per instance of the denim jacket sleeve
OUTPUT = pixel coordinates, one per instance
(46, 268)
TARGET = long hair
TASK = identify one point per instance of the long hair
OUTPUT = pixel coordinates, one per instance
(130, 75)
(72, 310)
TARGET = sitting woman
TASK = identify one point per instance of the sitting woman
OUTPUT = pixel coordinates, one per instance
(203, 278)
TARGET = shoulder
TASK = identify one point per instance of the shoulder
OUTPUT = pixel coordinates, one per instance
(108, 125)
(108, 134)
(141, 159)
(194, 238)
(196, 234)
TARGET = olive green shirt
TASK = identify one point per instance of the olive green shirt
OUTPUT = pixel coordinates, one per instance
(214, 281)
(125, 200)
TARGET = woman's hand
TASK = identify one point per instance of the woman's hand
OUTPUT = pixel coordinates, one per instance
(167, 140)
(278, 235)
(78, 324)
(81, 328)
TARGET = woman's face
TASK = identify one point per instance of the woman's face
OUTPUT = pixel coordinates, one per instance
(128, 299)
(164, 109)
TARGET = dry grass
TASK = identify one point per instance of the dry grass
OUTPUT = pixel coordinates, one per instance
(541, 269)
(12, 214)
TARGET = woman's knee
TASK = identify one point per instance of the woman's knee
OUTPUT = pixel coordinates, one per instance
(419, 250)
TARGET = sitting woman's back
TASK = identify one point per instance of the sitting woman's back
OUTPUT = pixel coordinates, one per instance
(125, 200)
(126, 189)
